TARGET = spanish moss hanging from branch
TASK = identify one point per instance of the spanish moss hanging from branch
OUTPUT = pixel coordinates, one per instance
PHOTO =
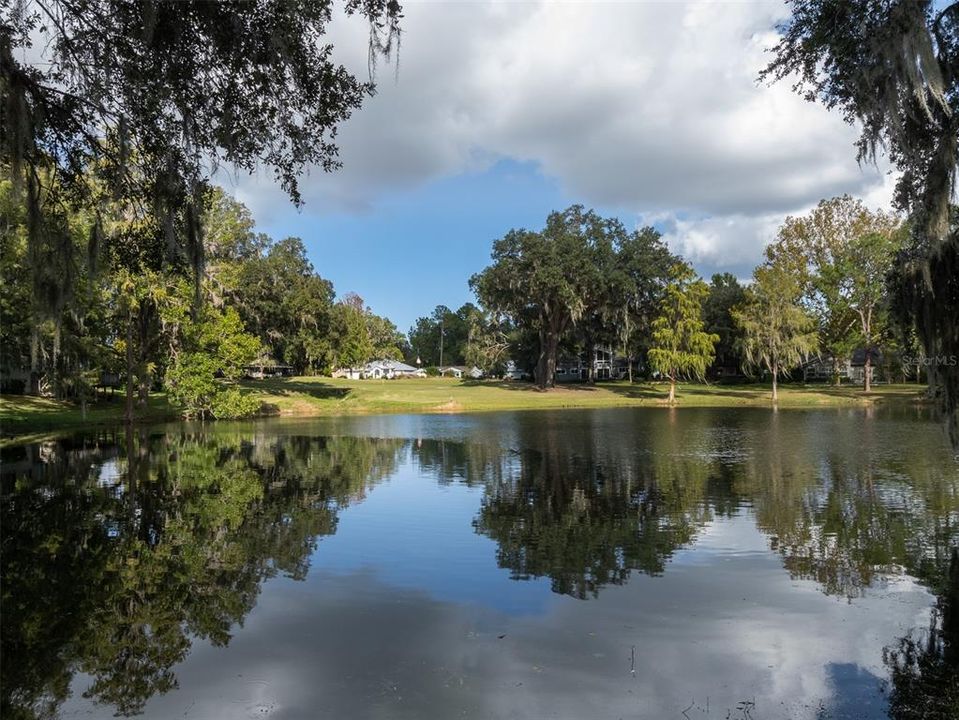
(893, 67)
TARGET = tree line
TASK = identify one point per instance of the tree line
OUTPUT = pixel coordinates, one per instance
(583, 282)
(826, 287)
(133, 315)
(131, 108)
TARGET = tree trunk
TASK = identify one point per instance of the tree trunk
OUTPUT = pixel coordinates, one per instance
(629, 368)
(34, 388)
(128, 414)
(546, 364)
(143, 392)
(552, 349)
(551, 329)
(591, 364)
(867, 336)
(672, 389)
(775, 371)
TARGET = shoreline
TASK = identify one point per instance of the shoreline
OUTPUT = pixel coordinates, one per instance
(24, 418)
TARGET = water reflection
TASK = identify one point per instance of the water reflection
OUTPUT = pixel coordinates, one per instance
(924, 667)
(121, 552)
(586, 508)
(117, 551)
(583, 512)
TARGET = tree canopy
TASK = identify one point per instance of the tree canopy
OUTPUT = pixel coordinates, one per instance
(151, 96)
(261, 303)
(583, 280)
(843, 255)
(778, 333)
(893, 67)
(681, 347)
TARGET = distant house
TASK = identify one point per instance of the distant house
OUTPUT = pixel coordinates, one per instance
(857, 365)
(825, 368)
(259, 371)
(570, 369)
(515, 372)
(380, 369)
(460, 371)
(348, 373)
(606, 365)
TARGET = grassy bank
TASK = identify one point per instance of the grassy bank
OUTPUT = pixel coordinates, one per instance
(23, 415)
(324, 396)
(307, 396)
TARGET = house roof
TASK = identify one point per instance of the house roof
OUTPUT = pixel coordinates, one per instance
(856, 358)
(394, 365)
(859, 356)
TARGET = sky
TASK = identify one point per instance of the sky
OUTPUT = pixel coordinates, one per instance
(498, 113)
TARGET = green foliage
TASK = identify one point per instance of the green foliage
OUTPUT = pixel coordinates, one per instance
(149, 323)
(537, 279)
(285, 303)
(778, 333)
(353, 346)
(843, 254)
(681, 347)
(387, 342)
(892, 68)
(468, 337)
(140, 97)
(641, 269)
(581, 271)
(488, 343)
(191, 381)
(725, 293)
(214, 346)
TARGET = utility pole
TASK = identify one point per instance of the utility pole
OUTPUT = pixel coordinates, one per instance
(442, 333)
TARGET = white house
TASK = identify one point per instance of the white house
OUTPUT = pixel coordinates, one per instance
(390, 369)
(459, 371)
(380, 369)
(514, 372)
(348, 373)
(853, 368)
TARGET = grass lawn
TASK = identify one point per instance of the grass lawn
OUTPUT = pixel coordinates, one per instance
(23, 415)
(326, 396)
(316, 396)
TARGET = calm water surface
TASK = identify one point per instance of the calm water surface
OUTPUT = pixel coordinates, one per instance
(587, 564)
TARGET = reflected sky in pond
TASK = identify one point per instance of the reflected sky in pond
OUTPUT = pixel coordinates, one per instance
(618, 563)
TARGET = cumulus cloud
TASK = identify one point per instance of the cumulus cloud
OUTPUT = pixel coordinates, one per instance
(652, 109)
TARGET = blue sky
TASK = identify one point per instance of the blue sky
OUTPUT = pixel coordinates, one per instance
(502, 112)
(416, 249)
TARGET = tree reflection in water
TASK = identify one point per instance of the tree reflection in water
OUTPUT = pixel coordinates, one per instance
(925, 668)
(117, 552)
(585, 513)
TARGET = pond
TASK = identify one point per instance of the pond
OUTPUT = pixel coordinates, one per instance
(634, 563)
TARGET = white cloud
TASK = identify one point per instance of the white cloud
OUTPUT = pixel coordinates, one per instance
(649, 108)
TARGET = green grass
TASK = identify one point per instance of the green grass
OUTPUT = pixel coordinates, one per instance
(324, 396)
(23, 415)
(309, 396)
